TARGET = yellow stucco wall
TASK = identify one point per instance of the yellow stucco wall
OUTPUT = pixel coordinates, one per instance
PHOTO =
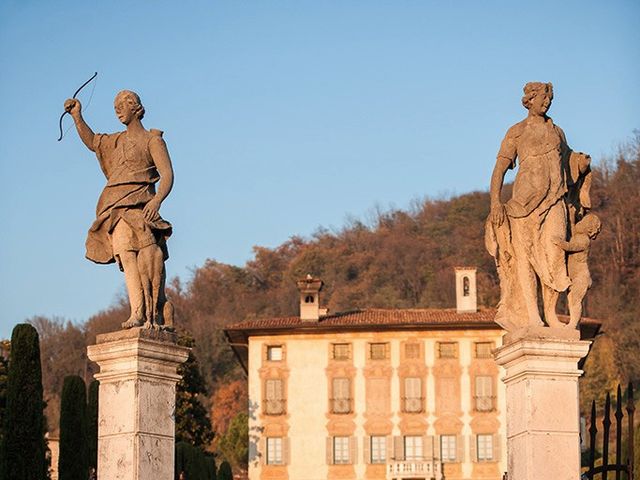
(306, 369)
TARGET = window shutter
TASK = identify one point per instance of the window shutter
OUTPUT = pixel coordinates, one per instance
(387, 351)
(262, 449)
(497, 448)
(353, 450)
(398, 448)
(366, 450)
(428, 447)
(329, 450)
(391, 454)
(286, 454)
(473, 447)
(460, 450)
(437, 443)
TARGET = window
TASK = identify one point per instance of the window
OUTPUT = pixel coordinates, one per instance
(448, 448)
(412, 401)
(484, 393)
(274, 353)
(378, 351)
(413, 448)
(485, 448)
(412, 350)
(274, 403)
(341, 450)
(447, 350)
(483, 349)
(341, 401)
(274, 451)
(465, 286)
(341, 351)
(308, 299)
(378, 449)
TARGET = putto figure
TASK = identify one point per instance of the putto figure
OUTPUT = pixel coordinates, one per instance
(550, 194)
(128, 228)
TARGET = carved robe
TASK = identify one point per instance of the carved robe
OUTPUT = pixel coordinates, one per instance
(131, 177)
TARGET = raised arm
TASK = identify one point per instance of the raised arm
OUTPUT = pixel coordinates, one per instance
(73, 106)
(160, 155)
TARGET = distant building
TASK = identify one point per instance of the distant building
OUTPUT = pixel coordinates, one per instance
(376, 393)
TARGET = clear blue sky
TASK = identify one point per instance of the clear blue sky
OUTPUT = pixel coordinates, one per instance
(281, 116)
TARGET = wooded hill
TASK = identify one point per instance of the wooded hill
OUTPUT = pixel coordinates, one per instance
(400, 259)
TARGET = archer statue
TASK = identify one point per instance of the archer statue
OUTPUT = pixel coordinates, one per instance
(128, 228)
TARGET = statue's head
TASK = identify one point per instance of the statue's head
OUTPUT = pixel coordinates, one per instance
(128, 106)
(589, 225)
(537, 97)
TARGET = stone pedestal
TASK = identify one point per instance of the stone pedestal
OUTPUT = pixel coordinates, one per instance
(543, 424)
(136, 424)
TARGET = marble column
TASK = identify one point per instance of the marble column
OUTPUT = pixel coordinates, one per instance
(543, 418)
(136, 424)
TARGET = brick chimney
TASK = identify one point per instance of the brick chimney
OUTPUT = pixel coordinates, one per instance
(466, 293)
(309, 288)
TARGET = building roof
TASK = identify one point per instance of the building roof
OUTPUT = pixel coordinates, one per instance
(375, 319)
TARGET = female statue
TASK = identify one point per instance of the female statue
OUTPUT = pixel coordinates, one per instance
(128, 228)
(522, 234)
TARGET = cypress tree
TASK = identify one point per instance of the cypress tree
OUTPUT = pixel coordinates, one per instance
(73, 460)
(225, 472)
(92, 425)
(23, 449)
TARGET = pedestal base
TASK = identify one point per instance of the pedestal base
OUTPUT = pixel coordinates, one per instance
(136, 424)
(543, 425)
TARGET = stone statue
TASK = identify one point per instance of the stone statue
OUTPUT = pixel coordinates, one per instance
(578, 247)
(128, 228)
(525, 234)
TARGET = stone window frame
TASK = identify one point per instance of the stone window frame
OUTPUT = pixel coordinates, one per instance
(481, 401)
(341, 450)
(448, 356)
(341, 358)
(483, 356)
(268, 348)
(378, 454)
(385, 352)
(282, 400)
(488, 441)
(449, 439)
(275, 445)
(334, 400)
(405, 399)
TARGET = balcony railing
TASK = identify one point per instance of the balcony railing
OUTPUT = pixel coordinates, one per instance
(412, 404)
(484, 403)
(341, 405)
(426, 469)
(275, 406)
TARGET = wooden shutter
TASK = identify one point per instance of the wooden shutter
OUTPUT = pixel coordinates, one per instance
(497, 448)
(427, 441)
(473, 447)
(366, 450)
(437, 443)
(398, 448)
(262, 450)
(353, 450)
(286, 451)
(460, 450)
(391, 454)
(329, 451)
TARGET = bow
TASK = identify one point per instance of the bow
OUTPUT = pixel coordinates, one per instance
(74, 96)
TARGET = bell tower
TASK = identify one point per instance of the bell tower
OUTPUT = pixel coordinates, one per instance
(466, 292)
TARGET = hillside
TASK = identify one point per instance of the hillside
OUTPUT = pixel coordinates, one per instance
(402, 259)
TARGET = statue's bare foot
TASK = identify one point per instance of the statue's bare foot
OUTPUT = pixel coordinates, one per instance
(132, 322)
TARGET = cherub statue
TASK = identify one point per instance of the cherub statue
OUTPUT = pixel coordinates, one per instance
(128, 228)
(585, 230)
